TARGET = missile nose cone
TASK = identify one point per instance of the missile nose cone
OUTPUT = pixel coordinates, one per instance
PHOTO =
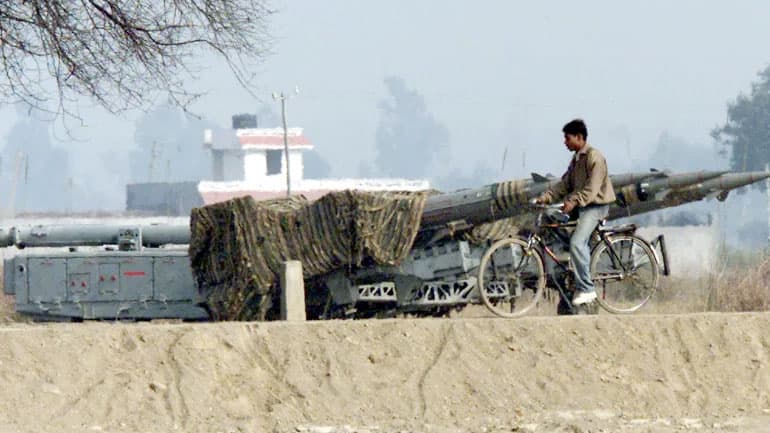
(732, 180)
(756, 176)
(761, 175)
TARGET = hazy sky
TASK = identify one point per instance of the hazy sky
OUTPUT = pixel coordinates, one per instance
(511, 73)
(498, 74)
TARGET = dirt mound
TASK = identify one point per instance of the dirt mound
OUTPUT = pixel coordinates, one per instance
(597, 373)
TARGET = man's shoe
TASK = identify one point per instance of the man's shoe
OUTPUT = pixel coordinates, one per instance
(583, 298)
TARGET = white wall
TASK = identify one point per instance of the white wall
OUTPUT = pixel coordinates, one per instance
(296, 165)
(692, 250)
(254, 165)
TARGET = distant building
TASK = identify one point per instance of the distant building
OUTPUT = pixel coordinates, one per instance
(247, 160)
(250, 161)
(163, 198)
(255, 154)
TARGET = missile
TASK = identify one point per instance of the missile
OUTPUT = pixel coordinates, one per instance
(658, 189)
(540, 184)
(721, 186)
(451, 212)
(466, 208)
(445, 213)
(58, 235)
(717, 187)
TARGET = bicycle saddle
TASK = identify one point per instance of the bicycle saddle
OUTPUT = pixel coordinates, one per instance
(625, 228)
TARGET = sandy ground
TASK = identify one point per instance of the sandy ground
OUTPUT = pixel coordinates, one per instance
(641, 373)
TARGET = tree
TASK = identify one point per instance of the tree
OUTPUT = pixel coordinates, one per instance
(677, 154)
(122, 53)
(408, 137)
(746, 134)
(36, 173)
(170, 147)
(482, 174)
(316, 167)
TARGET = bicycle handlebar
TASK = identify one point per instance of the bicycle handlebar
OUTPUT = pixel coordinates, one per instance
(542, 206)
(549, 209)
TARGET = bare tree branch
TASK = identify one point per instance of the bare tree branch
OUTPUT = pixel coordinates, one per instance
(122, 53)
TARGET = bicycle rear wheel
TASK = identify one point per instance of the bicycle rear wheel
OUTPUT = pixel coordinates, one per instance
(625, 276)
(511, 278)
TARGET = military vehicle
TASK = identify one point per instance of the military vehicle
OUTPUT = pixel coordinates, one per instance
(143, 272)
(133, 273)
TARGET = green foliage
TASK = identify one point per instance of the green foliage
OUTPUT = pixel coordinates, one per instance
(746, 134)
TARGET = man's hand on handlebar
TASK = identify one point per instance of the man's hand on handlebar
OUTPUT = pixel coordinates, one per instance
(539, 202)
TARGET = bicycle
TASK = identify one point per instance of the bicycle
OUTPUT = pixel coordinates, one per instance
(624, 267)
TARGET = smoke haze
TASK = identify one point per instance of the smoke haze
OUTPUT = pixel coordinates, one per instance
(456, 92)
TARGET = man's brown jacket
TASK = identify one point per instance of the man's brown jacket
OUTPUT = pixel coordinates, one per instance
(586, 181)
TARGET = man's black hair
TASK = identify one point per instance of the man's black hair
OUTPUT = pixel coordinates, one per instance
(576, 127)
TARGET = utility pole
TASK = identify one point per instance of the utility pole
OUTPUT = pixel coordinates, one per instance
(153, 155)
(283, 97)
(20, 159)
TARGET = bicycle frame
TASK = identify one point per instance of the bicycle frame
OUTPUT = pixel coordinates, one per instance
(535, 239)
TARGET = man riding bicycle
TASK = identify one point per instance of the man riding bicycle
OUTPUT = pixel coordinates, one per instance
(587, 193)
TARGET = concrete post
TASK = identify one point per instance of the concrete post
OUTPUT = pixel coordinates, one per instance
(292, 291)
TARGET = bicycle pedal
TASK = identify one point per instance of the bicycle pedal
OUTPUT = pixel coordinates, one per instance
(588, 308)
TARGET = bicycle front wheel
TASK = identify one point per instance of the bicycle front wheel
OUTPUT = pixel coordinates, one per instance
(625, 273)
(511, 278)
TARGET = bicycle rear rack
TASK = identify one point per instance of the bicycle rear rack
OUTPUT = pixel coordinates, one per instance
(659, 244)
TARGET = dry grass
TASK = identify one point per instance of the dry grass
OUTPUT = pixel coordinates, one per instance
(745, 287)
(680, 295)
(740, 282)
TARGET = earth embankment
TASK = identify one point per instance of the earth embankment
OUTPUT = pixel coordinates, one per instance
(588, 373)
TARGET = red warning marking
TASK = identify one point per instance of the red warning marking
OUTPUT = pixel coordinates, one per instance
(134, 273)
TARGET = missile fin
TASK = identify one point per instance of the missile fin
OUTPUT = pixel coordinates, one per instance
(722, 196)
(659, 173)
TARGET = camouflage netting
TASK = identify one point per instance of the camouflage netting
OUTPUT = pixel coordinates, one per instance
(237, 247)
(503, 228)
